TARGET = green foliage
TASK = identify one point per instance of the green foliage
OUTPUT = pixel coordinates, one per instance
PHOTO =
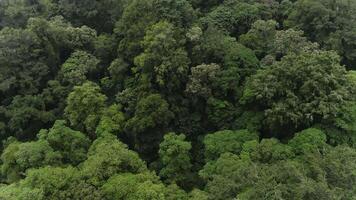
(77, 67)
(341, 129)
(220, 113)
(259, 37)
(222, 142)
(198, 195)
(15, 13)
(19, 157)
(201, 80)
(112, 121)
(339, 165)
(267, 151)
(299, 90)
(85, 105)
(151, 112)
(19, 192)
(270, 170)
(23, 64)
(59, 36)
(291, 41)
(52, 182)
(164, 60)
(258, 87)
(227, 176)
(308, 141)
(72, 145)
(330, 23)
(108, 156)
(148, 125)
(26, 115)
(175, 157)
(143, 186)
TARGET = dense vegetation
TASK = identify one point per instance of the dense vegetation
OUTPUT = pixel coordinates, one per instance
(178, 99)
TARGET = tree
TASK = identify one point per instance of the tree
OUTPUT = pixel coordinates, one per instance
(291, 41)
(259, 37)
(308, 140)
(16, 12)
(78, 68)
(339, 165)
(300, 90)
(108, 156)
(267, 151)
(234, 17)
(112, 121)
(53, 182)
(16, 192)
(139, 15)
(236, 61)
(226, 141)
(175, 157)
(72, 145)
(152, 117)
(19, 157)
(127, 186)
(330, 23)
(26, 115)
(61, 38)
(98, 15)
(85, 105)
(227, 176)
(270, 170)
(23, 63)
(201, 80)
(164, 59)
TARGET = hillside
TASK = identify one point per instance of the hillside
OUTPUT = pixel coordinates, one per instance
(177, 99)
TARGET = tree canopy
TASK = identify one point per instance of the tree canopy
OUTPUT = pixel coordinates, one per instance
(177, 99)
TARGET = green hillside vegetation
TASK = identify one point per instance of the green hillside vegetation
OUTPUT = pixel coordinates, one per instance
(177, 99)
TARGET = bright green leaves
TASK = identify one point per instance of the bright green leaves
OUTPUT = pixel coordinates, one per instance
(175, 158)
(304, 168)
(78, 67)
(128, 186)
(222, 142)
(112, 121)
(19, 157)
(308, 141)
(54, 182)
(108, 156)
(227, 176)
(85, 105)
(55, 146)
(72, 145)
(16, 192)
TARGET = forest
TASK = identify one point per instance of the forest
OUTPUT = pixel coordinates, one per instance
(178, 100)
